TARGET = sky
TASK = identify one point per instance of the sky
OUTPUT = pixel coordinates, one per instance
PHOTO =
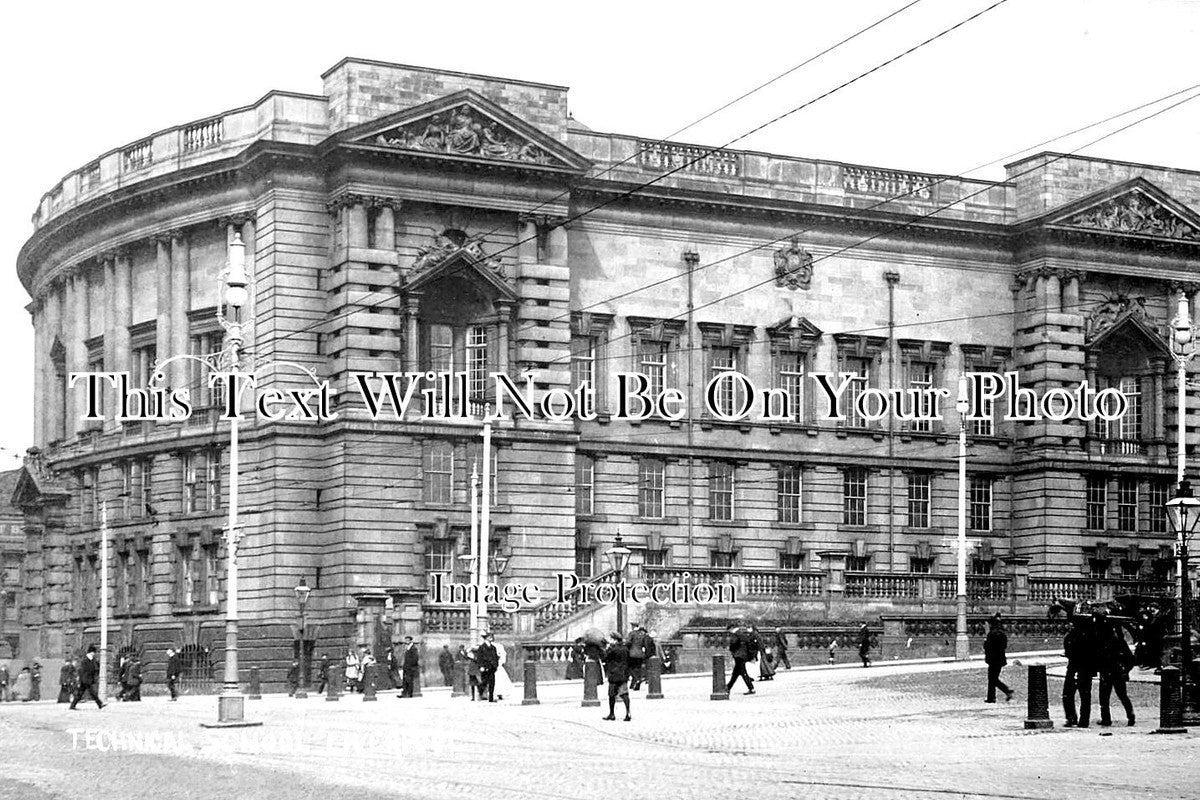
(84, 78)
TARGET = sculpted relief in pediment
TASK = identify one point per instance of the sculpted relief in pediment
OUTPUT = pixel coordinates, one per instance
(1136, 214)
(466, 132)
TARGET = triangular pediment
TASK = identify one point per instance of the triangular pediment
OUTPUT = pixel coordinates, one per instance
(465, 125)
(447, 258)
(1134, 208)
(796, 330)
(34, 487)
(1123, 317)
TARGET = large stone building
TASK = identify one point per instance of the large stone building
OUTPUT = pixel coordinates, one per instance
(417, 219)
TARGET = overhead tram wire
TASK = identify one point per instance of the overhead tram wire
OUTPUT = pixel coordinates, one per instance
(381, 434)
(894, 229)
(705, 153)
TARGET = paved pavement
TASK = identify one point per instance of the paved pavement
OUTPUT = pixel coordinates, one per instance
(893, 731)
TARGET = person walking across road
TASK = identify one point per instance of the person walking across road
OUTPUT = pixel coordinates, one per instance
(995, 655)
(88, 672)
(616, 669)
(410, 663)
(489, 661)
(740, 647)
(639, 651)
(174, 668)
(135, 679)
(1079, 646)
(781, 648)
(1114, 662)
(864, 645)
(446, 665)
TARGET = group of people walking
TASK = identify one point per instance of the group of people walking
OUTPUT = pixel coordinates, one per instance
(26, 685)
(1095, 646)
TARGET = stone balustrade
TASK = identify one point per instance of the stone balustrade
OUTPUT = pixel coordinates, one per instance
(746, 582)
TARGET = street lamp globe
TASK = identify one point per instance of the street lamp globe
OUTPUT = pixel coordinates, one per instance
(1183, 511)
(618, 556)
(302, 590)
(236, 293)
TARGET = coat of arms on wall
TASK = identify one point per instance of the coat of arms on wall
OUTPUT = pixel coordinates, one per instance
(793, 266)
(464, 131)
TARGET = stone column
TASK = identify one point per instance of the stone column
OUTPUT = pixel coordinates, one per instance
(37, 312)
(505, 310)
(556, 246)
(122, 309)
(1070, 293)
(79, 350)
(55, 332)
(1159, 367)
(1053, 292)
(356, 223)
(109, 262)
(385, 226)
(162, 272)
(527, 238)
(181, 295)
(412, 359)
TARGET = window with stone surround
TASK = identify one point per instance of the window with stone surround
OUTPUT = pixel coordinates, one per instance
(138, 480)
(791, 561)
(924, 365)
(721, 475)
(788, 488)
(1127, 504)
(1096, 500)
(197, 573)
(858, 357)
(438, 473)
(474, 461)
(89, 496)
(854, 496)
(651, 487)
(979, 499)
(585, 484)
(654, 346)
(201, 472)
(143, 353)
(919, 494)
(206, 339)
(794, 342)
(440, 559)
(1158, 494)
(95, 363)
(984, 359)
(585, 562)
(723, 559)
(725, 349)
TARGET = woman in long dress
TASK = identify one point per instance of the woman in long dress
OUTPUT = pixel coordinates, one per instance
(504, 684)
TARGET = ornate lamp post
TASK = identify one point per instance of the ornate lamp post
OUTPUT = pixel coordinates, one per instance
(1183, 511)
(618, 558)
(302, 590)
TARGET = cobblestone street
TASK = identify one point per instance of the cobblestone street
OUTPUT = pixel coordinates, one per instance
(894, 731)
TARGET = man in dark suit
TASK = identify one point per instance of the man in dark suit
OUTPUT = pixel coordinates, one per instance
(489, 661)
(616, 668)
(135, 678)
(1114, 661)
(781, 648)
(742, 648)
(995, 655)
(89, 670)
(639, 651)
(411, 663)
(173, 670)
(1079, 648)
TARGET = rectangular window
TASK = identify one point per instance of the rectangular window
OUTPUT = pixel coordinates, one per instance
(439, 560)
(979, 516)
(858, 563)
(141, 368)
(585, 467)
(921, 566)
(791, 366)
(1130, 425)
(477, 362)
(1097, 502)
(585, 562)
(720, 490)
(860, 368)
(141, 595)
(137, 495)
(187, 576)
(722, 559)
(791, 561)
(651, 487)
(788, 486)
(724, 359)
(918, 500)
(986, 425)
(1158, 506)
(920, 378)
(201, 481)
(124, 587)
(854, 496)
(212, 575)
(439, 473)
(475, 461)
(212, 479)
(89, 496)
(655, 558)
(652, 362)
(583, 361)
(96, 364)
(980, 566)
(441, 348)
(205, 345)
(1127, 504)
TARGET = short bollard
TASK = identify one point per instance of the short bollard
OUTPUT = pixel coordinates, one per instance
(1170, 702)
(654, 678)
(531, 698)
(332, 677)
(255, 686)
(368, 683)
(719, 691)
(1038, 715)
(460, 679)
(591, 681)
